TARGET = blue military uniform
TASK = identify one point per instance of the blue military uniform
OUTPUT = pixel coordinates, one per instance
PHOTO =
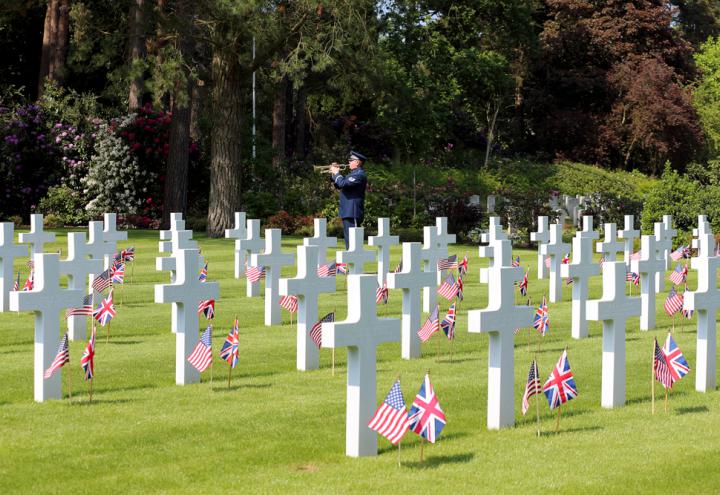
(352, 198)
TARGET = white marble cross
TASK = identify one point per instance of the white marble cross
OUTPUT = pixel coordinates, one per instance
(663, 243)
(78, 266)
(610, 246)
(187, 292)
(96, 245)
(613, 309)
(361, 333)
(580, 270)
(37, 237)
(356, 256)
(237, 233)
(541, 236)
(435, 247)
(668, 234)
(273, 259)
(628, 235)
(705, 301)
(321, 240)
(46, 300)
(111, 236)
(499, 320)
(495, 233)
(702, 229)
(8, 252)
(383, 242)
(411, 280)
(555, 249)
(648, 266)
(307, 286)
(176, 223)
(252, 244)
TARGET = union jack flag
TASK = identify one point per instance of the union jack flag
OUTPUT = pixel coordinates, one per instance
(391, 418)
(681, 252)
(566, 259)
(316, 330)
(16, 285)
(118, 273)
(62, 357)
(633, 277)
(463, 265)
(326, 270)
(460, 285)
(203, 273)
(524, 284)
(560, 385)
(85, 310)
(515, 262)
(679, 275)
(255, 273)
(102, 281)
(381, 294)
(448, 323)
(427, 419)
(289, 302)
(541, 323)
(229, 350)
(201, 356)
(449, 288)
(660, 367)
(342, 268)
(431, 325)
(106, 310)
(687, 313)
(673, 302)
(532, 386)
(128, 254)
(87, 361)
(676, 362)
(207, 307)
(30, 282)
(450, 263)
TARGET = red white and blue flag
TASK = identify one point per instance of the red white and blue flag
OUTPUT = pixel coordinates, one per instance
(85, 310)
(255, 273)
(16, 285)
(449, 288)
(560, 386)
(524, 284)
(679, 275)
(102, 281)
(201, 356)
(673, 302)
(676, 362)
(633, 277)
(681, 252)
(460, 295)
(106, 310)
(391, 418)
(602, 262)
(316, 330)
(342, 268)
(660, 367)
(463, 265)
(381, 294)
(30, 282)
(203, 273)
(87, 361)
(566, 259)
(229, 351)
(207, 307)
(289, 302)
(128, 254)
(431, 325)
(450, 263)
(532, 386)
(515, 262)
(541, 322)
(448, 323)
(326, 270)
(118, 272)
(427, 419)
(62, 357)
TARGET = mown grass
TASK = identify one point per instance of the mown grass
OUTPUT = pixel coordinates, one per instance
(278, 430)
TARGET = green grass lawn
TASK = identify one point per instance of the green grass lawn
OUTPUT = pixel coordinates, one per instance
(278, 430)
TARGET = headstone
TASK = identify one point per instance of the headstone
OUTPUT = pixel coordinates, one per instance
(705, 301)
(176, 223)
(361, 333)
(668, 234)
(111, 235)
(495, 233)
(474, 200)
(96, 245)
(411, 280)
(356, 256)
(321, 240)
(663, 242)
(555, 249)
(251, 245)
(613, 310)
(610, 246)
(435, 247)
(8, 252)
(46, 300)
(307, 286)
(238, 232)
(383, 242)
(490, 204)
(648, 266)
(273, 259)
(580, 270)
(628, 234)
(78, 266)
(37, 237)
(702, 229)
(541, 236)
(187, 292)
(499, 320)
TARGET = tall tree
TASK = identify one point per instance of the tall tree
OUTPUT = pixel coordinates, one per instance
(55, 42)
(136, 52)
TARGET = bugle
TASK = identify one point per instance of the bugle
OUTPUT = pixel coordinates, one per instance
(325, 169)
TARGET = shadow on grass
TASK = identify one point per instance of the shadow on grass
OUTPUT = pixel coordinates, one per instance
(692, 410)
(79, 400)
(552, 349)
(239, 386)
(435, 461)
(443, 439)
(579, 429)
(455, 360)
(659, 397)
(121, 342)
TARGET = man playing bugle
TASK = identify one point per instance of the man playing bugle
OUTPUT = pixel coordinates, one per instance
(352, 192)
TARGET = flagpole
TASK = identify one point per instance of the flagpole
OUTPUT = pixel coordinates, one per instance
(107, 333)
(91, 388)
(422, 446)
(399, 442)
(333, 349)
(652, 378)
(70, 384)
(666, 399)
(132, 272)
(557, 423)
(537, 399)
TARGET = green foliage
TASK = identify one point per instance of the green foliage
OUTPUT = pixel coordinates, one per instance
(65, 204)
(707, 93)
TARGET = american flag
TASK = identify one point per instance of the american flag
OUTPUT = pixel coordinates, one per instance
(681, 252)
(547, 262)
(566, 259)
(62, 357)
(463, 265)
(448, 323)
(679, 275)
(316, 330)
(118, 273)
(201, 356)
(391, 418)
(289, 302)
(30, 282)
(450, 263)
(560, 385)
(515, 262)
(229, 350)
(207, 307)
(532, 386)
(676, 362)
(106, 310)
(633, 277)
(381, 294)
(203, 273)
(687, 313)
(342, 268)
(102, 281)
(673, 302)
(524, 284)
(16, 285)
(85, 310)
(128, 254)
(541, 323)
(569, 281)
(449, 288)
(660, 367)
(326, 270)
(636, 256)
(87, 361)
(602, 262)
(398, 268)
(460, 285)
(255, 273)
(431, 325)
(427, 419)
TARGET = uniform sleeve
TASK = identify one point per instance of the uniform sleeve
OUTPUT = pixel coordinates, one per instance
(352, 181)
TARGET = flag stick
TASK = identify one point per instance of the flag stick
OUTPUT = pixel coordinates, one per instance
(537, 403)
(91, 389)
(107, 334)
(422, 446)
(70, 384)
(673, 321)
(122, 293)
(652, 379)
(132, 271)
(229, 375)
(557, 423)
(666, 399)
(399, 454)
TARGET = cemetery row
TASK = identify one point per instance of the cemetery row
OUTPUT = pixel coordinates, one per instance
(424, 273)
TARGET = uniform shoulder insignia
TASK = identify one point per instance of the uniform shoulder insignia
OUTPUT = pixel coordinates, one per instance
(351, 179)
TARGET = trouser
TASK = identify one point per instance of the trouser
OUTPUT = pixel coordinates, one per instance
(347, 224)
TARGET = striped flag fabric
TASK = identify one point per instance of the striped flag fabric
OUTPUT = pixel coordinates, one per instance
(515, 262)
(524, 284)
(85, 310)
(566, 259)
(201, 356)
(289, 302)
(541, 322)
(102, 281)
(316, 330)
(463, 265)
(673, 302)
(128, 254)
(391, 419)
(398, 268)
(106, 310)
(16, 285)
(602, 262)
(427, 419)
(203, 273)
(660, 367)
(460, 285)
(62, 357)
(679, 275)
(680, 252)
(30, 282)
(448, 323)
(532, 386)
(547, 262)
(676, 362)
(341, 268)
(326, 270)
(255, 273)
(229, 351)
(118, 273)
(450, 263)
(560, 386)
(687, 313)
(431, 325)
(87, 361)
(207, 307)
(381, 294)
(633, 277)
(636, 256)
(449, 288)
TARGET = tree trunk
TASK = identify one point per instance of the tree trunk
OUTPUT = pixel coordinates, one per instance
(225, 160)
(55, 42)
(176, 176)
(136, 52)
(278, 124)
(300, 123)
